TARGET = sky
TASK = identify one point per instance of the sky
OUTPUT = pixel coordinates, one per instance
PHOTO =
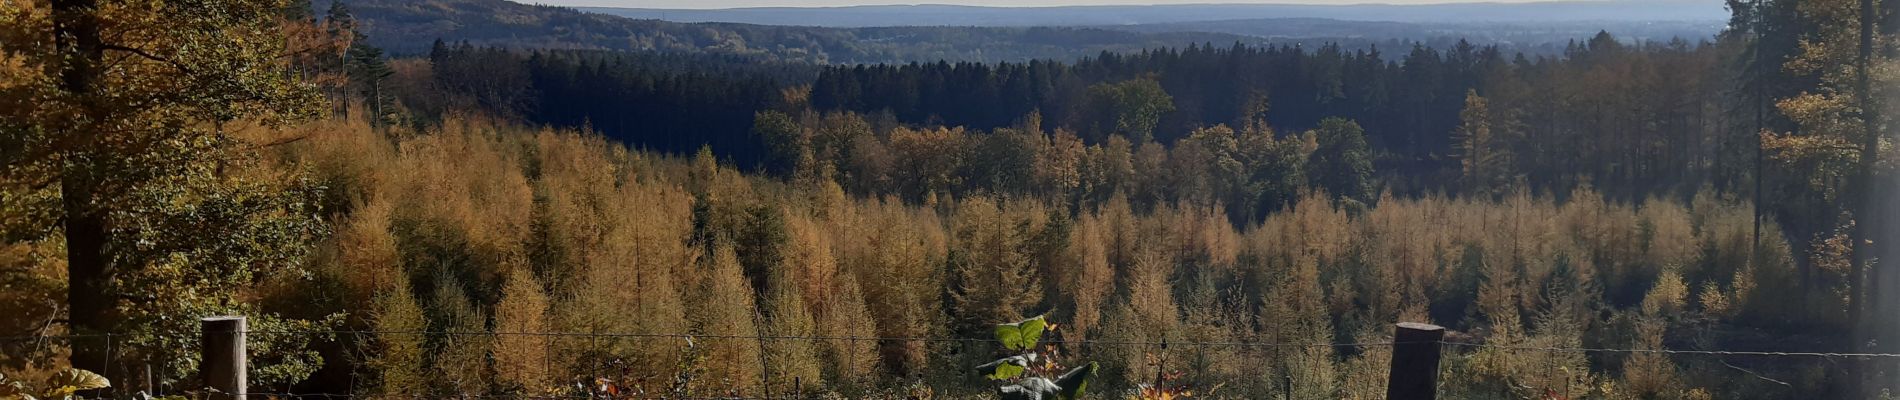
(713, 4)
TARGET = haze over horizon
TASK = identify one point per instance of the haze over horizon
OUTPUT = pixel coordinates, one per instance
(727, 4)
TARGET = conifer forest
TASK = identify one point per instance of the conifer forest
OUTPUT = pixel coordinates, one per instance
(463, 199)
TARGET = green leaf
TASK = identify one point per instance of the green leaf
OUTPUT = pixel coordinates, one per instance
(1006, 368)
(1006, 371)
(1074, 382)
(1021, 335)
(74, 380)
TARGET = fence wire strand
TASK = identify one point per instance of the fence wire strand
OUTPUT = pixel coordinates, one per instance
(1675, 352)
(359, 334)
(594, 341)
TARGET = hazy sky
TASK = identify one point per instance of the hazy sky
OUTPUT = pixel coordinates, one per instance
(1001, 3)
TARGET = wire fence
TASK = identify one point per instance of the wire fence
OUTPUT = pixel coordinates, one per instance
(584, 365)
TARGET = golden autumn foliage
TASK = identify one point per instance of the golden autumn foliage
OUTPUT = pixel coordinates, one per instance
(790, 362)
(399, 356)
(521, 334)
(476, 256)
(723, 313)
(504, 221)
(994, 277)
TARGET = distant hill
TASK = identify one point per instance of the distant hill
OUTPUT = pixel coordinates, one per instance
(1610, 11)
(1548, 37)
(410, 26)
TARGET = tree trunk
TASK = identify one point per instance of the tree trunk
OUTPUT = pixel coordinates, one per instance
(76, 32)
(1863, 204)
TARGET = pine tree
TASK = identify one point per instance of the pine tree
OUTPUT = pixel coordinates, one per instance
(369, 72)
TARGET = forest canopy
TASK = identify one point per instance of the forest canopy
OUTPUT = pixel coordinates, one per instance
(696, 221)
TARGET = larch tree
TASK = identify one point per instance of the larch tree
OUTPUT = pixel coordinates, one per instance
(1483, 160)
(1092, 280)
(399, 355)
(1840, 135)
(723, 314)
(994, 275)
(794, 300)
(1148, 314)
(809, 263)
(897, 256)
(459, 358)
(1651, 374)
(846, 322)
(520, 343)
(1296, 313)
(122, 126)
(791, 359)
(1059, 166)
(1109, 169)
(628, 284)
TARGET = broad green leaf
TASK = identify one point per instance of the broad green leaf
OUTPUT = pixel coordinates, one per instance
(1074, 382)
(1006, 368)
(77, 380)
(1005, 371)
(1021, 335)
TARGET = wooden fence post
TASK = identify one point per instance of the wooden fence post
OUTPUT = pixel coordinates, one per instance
(1415, 353)
(225, 364)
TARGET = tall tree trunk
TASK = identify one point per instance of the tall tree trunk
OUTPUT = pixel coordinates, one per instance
(1761, 111)
(1863, 204)
(77, 38)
